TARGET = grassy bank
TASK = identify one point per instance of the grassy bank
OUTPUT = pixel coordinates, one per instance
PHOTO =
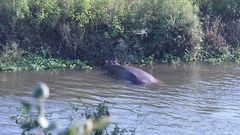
(164, 31)
(15, 59)
(35, 62)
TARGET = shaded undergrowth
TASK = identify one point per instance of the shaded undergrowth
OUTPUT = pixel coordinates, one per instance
(15, 59)
(138, 31)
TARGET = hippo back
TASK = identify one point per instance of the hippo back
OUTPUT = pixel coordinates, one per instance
(121, 73)
(142, 76)
(131, 74)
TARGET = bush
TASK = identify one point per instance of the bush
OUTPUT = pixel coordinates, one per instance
(221, 28)
(227, 9)
(184, 27)
(233, 33)
(15, 59)
(102, 29)
(95, 30)
(214, 41)
(157, 28)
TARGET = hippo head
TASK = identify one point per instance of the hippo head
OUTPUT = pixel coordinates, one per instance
(111, 63)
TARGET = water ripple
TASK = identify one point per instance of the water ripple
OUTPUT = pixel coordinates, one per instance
(198, 99)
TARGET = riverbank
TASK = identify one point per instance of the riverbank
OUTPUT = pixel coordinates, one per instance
(19, 61)
(161, 31)
(39, 63)
(13, 61)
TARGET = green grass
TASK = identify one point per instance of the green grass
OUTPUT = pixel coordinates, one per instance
(35, 62)
(163, 31)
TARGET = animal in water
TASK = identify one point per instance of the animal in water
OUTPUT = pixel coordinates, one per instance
(130, 74)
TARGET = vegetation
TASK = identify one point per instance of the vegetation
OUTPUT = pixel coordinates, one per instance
(15, 59)
(33, 119)
(221, 27)
(138, 31)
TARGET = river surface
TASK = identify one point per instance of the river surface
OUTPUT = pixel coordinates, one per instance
(198, 99)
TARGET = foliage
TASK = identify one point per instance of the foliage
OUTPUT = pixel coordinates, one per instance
(236, 55)
(31, 120)
(160, 28)
(100, 29)
(228, 9)
(131, 30)
(221, 30)
(232, 31)
(15, 59)
(34, 62)
(214, 41)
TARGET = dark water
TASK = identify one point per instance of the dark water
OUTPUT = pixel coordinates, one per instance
(198, 99)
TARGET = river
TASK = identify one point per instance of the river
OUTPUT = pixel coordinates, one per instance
(197, 99)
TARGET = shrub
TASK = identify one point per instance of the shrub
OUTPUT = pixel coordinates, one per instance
(221, 28)
(227, 9)
(99, 29)
(233, 33)
(216, 48)
(214, 40)
(163, 27)
(14, 58)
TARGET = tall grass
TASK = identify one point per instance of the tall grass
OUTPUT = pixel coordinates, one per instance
(220, 20)
(133, 30)
(98, 29)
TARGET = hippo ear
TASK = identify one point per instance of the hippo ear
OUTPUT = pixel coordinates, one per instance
(127, 63)
(116, 61)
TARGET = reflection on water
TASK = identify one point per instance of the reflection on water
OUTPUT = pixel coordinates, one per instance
(198, 99)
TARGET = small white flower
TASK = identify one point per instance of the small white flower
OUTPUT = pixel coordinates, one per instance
(88, 126)
(43, 122)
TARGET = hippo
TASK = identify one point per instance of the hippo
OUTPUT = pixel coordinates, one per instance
(130, 74)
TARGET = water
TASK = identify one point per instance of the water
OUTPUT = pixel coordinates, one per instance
(198, 99)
